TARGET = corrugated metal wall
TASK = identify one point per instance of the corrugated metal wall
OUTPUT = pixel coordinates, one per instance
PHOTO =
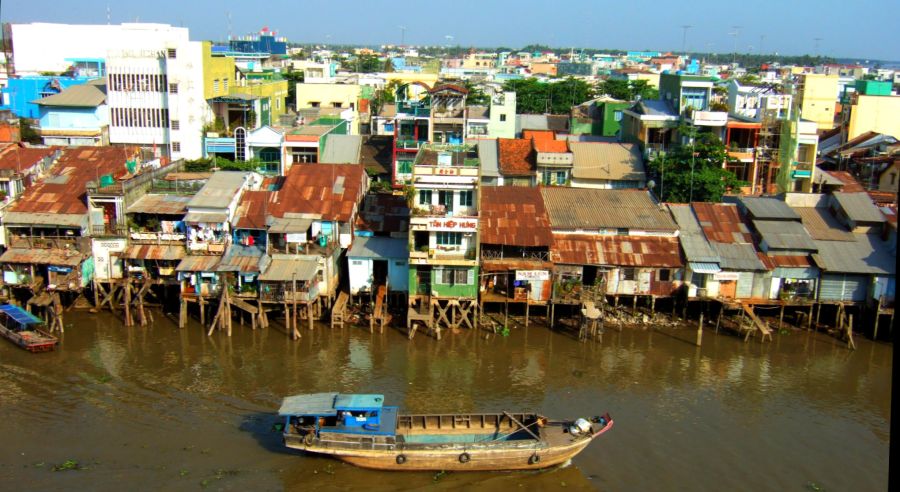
(744, 285)
(840, 287)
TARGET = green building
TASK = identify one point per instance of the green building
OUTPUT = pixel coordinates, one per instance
(600, 117)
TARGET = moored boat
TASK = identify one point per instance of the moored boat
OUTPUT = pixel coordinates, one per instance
(21, 328)
(360, 430)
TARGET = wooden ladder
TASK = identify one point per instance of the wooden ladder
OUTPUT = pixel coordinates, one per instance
(760, 325)
(339, 310)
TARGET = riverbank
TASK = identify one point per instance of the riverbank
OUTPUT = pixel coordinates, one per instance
(161, 408)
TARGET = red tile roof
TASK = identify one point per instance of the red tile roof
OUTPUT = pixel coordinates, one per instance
(63, 191)
(636, 251)
(722, 223)
(514, 216)
(515, 157)
(539, 135)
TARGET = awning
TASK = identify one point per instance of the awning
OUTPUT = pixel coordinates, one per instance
(205, 218)
(288, 269)
(198, 264)
(282, 225)
(20, 315)
(153, 252)
(698, 267)
(38, 256)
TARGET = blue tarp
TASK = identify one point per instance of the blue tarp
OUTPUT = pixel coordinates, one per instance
(20, 315)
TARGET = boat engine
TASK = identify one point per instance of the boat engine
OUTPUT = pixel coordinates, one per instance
(581, 426)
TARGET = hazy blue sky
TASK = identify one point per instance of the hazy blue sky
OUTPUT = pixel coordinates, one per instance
(861, 28)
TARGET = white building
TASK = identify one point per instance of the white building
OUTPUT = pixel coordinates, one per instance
(154, 78)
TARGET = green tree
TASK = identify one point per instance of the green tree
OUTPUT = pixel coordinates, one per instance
(628, 90)
(476, 96)
(27, 132)
(385, 95)
(693, 171)
(557, 97)
(293, 78)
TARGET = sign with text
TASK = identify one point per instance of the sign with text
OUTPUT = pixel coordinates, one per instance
(456, 225)
(726, 276)
(532, 275)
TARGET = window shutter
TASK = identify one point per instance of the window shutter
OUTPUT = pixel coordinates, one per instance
(471, 278)
(439, 276)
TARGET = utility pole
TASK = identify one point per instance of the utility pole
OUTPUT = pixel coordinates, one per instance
(762, 40)
(402, 35)
(684, 30)
(734, 34)
(817, 45)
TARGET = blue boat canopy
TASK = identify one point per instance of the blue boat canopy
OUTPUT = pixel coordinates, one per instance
(325, 404)
(20, 315)
(321, 404)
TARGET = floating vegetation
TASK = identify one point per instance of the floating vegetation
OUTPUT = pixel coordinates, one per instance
(67, 465)
(439, 475)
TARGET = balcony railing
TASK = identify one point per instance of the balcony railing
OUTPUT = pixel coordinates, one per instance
(214, 247)
(107, 230)
(29, 242)
(652, 150)
(156, 237)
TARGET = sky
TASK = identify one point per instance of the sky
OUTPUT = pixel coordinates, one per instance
(860, 29)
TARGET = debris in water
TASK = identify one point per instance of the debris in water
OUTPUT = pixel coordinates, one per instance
(67, 465)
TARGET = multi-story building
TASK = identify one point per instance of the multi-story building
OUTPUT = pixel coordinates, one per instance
(817, 94)
(443, 240)
(411, 128)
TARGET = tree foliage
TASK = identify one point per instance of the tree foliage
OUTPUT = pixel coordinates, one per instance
(556, 97)
(628, 90)
(476, 96)
(363, 64)
(293, 78)
(693, 171)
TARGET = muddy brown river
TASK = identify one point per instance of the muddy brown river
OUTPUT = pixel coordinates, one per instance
(159, 408)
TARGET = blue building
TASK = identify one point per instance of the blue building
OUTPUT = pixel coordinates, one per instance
(78, 115)
(20, 94)
(266, 42)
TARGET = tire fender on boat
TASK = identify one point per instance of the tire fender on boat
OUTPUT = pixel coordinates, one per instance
(401, 458)
(308, 439)
(464, 458)
(534, 459)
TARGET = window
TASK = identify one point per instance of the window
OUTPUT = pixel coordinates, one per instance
(404, 167)
(465, 198)
(277, 103)
(424, 197)
(628, 274)
(314, 104)
(176, 146)
(502, 117)
(174, 124)
(337, 104)
(622, 232)
(665, 275)
(215, 85)
(617, 115)
(455, 276)
(171, 53)
(225, 85)
(445, 238)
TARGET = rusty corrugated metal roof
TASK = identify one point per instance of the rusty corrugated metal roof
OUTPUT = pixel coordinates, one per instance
(51, 256)
(514, 216)
(164, 204)
(820, 224)
(198, 263)
(19, 159)
(154, 252)
(63, 192)
(637, 251)
(515, 157)
(722, 223)
(514, 264)
(333, 191)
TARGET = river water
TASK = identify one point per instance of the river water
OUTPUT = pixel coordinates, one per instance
(158, 408)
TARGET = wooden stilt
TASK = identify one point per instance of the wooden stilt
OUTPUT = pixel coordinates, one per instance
(700, 331)
(809, 321)
(527, 306)
(127, 288)
(781, 318)
(719, 317)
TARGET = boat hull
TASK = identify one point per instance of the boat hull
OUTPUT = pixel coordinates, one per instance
(455, 458)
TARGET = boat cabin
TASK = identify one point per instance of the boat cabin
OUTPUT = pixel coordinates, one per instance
(323, 413)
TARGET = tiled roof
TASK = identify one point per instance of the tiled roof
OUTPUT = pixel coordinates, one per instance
(637, 251)
(722, 223)
(515, 216)
(516, 157)
(592, 209)
(63, 191)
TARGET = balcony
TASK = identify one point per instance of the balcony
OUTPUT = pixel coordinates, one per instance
(409, 144)
(709, 118)
(654, 150)
(48, 242)
(410, 109)
(212, 247)
(108, 230)
(156, 237)
(742, 154)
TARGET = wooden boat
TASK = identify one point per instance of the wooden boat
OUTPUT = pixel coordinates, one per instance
(358, 429)
(21, 328)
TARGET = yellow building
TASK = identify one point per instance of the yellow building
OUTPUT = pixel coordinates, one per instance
(270, 90)
(339, 99)
(218, 73)
(407, 77)
(818, 95)
(874, 114)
